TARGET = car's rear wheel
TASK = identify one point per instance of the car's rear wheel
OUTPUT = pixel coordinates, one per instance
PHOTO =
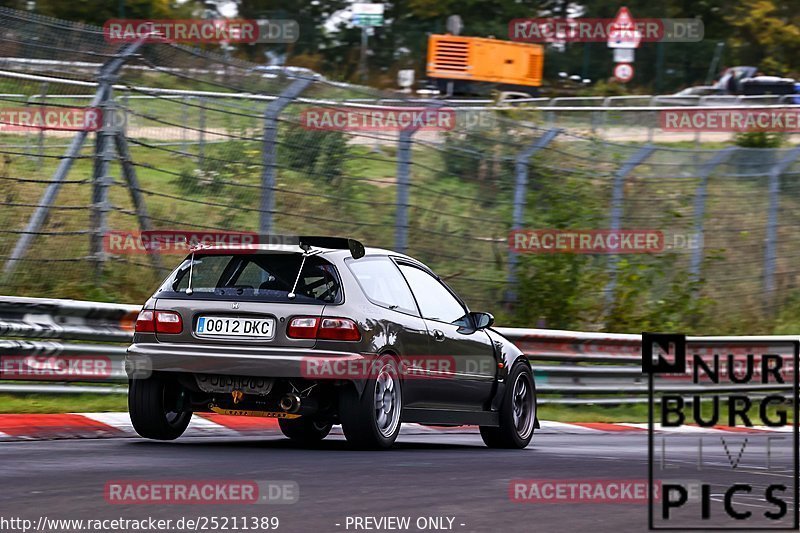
(372, 421)
(517, 411)
(305, 430)
(153, 407)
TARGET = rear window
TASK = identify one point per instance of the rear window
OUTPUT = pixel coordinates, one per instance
(262, 277)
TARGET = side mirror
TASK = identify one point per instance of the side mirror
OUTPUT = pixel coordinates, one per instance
(482, 320)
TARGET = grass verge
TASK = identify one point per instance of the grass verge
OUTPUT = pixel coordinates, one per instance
(593, 413)
(93, 403)
(63, 403)
(86, 403)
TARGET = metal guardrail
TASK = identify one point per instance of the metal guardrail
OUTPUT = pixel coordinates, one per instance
(32, 331)
(641, 102)
(569, 365)
(632, 118)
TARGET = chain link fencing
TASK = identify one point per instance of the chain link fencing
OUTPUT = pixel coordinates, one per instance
(206, 142)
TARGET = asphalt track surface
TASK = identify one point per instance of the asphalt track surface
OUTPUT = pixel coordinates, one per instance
(449, 474)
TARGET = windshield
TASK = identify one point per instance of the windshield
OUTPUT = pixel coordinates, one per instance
(263, 277)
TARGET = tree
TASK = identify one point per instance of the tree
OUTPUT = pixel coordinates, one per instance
(311, 15)
(97, 12)
(767, 36)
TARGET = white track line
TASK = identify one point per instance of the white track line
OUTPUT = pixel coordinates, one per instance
(563, 427)
(198, 427)
(202, 427)
(781, 429)
(120, 421)
(685, 429)
(696, 429)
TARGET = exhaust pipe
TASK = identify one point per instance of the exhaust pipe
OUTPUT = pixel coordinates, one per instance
(293, 404)
(290, 403)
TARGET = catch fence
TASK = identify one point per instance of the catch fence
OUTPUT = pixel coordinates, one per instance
(206, 142)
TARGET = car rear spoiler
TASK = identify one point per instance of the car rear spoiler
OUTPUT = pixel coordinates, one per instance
(153, 240)
(337, 243)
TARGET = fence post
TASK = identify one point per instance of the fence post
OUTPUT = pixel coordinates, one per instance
(269, 151)
(123, 120)
(101, 178)
(29, 103)
(520, 193)
(404, 141)
(40, 159)
(550, 118)
(700, 210)
(201, 135)
(135, 190)
(403, 181)
(617, 205)
(109, 69)
(770, 250)
(184, 123)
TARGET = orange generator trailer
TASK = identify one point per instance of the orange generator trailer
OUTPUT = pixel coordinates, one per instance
(475, 65)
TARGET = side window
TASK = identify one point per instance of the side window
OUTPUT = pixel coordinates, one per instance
(382, 283)
(435, 301)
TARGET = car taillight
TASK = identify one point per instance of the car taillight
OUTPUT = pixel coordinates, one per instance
(338, 329)
(302, 327)
(168, 322)
(145, 322)
(334, 329)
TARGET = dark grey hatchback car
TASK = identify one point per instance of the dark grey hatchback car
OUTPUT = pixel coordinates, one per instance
(323, 333)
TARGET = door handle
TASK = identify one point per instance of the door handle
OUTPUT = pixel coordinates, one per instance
(438, 335)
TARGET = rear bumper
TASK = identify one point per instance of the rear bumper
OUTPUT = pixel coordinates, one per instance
(144, 358)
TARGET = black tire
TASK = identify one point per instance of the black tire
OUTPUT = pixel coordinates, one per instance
(151, 404)
(362, 423)
(305, 430)
(517, 414)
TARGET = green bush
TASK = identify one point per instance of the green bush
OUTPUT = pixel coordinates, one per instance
(317, 153)
(759, 139)
(222, 164)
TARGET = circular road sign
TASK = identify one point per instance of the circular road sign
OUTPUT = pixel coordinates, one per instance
(623, 72)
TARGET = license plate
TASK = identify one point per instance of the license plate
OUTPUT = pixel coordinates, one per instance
(219, 326)
(227, 384)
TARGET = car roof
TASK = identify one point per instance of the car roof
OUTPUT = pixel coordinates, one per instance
(287, 248)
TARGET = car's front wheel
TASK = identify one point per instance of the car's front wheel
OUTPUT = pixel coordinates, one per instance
(304, 430)
(372, 421)
(153, 405)
(517, 411)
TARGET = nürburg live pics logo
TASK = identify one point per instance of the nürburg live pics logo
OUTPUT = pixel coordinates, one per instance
(723, 432)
